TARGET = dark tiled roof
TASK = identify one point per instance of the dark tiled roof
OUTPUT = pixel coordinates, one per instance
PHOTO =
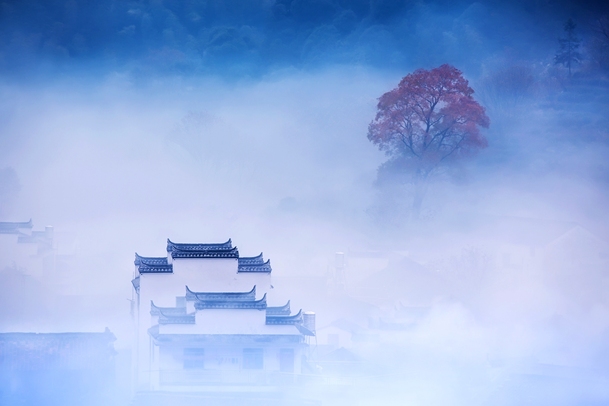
(221, 296)
(254, 264)
(155, 268)
(231, 304)
(7, 227)
(150, 260)
(167, 311)
(222, 250)
(279, 310)
(152, 264)
(177, 318)
(295, 319)
(257, 260)
(264, 267)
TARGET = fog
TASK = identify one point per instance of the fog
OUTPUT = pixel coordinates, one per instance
(497, 294)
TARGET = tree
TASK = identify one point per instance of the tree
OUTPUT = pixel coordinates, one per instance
(567, 53)
(600, 42)
(429, 121)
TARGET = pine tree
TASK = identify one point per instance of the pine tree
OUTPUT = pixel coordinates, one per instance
(568, 52)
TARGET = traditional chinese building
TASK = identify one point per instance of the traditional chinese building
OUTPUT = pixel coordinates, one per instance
(34, 251)
(204, 321)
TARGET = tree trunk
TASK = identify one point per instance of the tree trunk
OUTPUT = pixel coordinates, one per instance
(420, 189)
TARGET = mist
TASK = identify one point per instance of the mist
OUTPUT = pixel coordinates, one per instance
(205, 122)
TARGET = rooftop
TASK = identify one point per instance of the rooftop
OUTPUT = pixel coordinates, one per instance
(279, 310)
(264, 267)
(8, 227)
(166, 311)
(257, 260)
(255, 264)
(177, 318)
(219, 250)
(152, 264)
(231, 304)
(150, 260)
(220, 296)
(295, 319)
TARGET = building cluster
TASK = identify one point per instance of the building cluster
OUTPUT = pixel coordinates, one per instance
(205, 318)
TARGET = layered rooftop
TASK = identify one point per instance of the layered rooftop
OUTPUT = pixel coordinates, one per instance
(275, 315)
(221, 250)
(255, 264)
(152, 264)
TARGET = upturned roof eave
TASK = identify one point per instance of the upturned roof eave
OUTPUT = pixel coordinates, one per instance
(201, 296)
(258, 259)
(232, 304)
(15, 225)
(279, 310)
(263, 267)
(228, 245)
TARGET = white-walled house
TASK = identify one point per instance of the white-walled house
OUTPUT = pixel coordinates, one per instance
(203, 322)
(34, 252)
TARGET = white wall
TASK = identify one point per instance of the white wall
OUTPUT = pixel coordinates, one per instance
(229, 321)
(201, 275)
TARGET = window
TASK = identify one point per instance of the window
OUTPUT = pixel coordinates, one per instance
(252, 358)
(194, 358)
(286, 360)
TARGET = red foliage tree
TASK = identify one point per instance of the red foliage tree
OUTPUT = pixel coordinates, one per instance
(429, 120)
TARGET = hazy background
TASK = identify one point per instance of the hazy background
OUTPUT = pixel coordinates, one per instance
(125, 123)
